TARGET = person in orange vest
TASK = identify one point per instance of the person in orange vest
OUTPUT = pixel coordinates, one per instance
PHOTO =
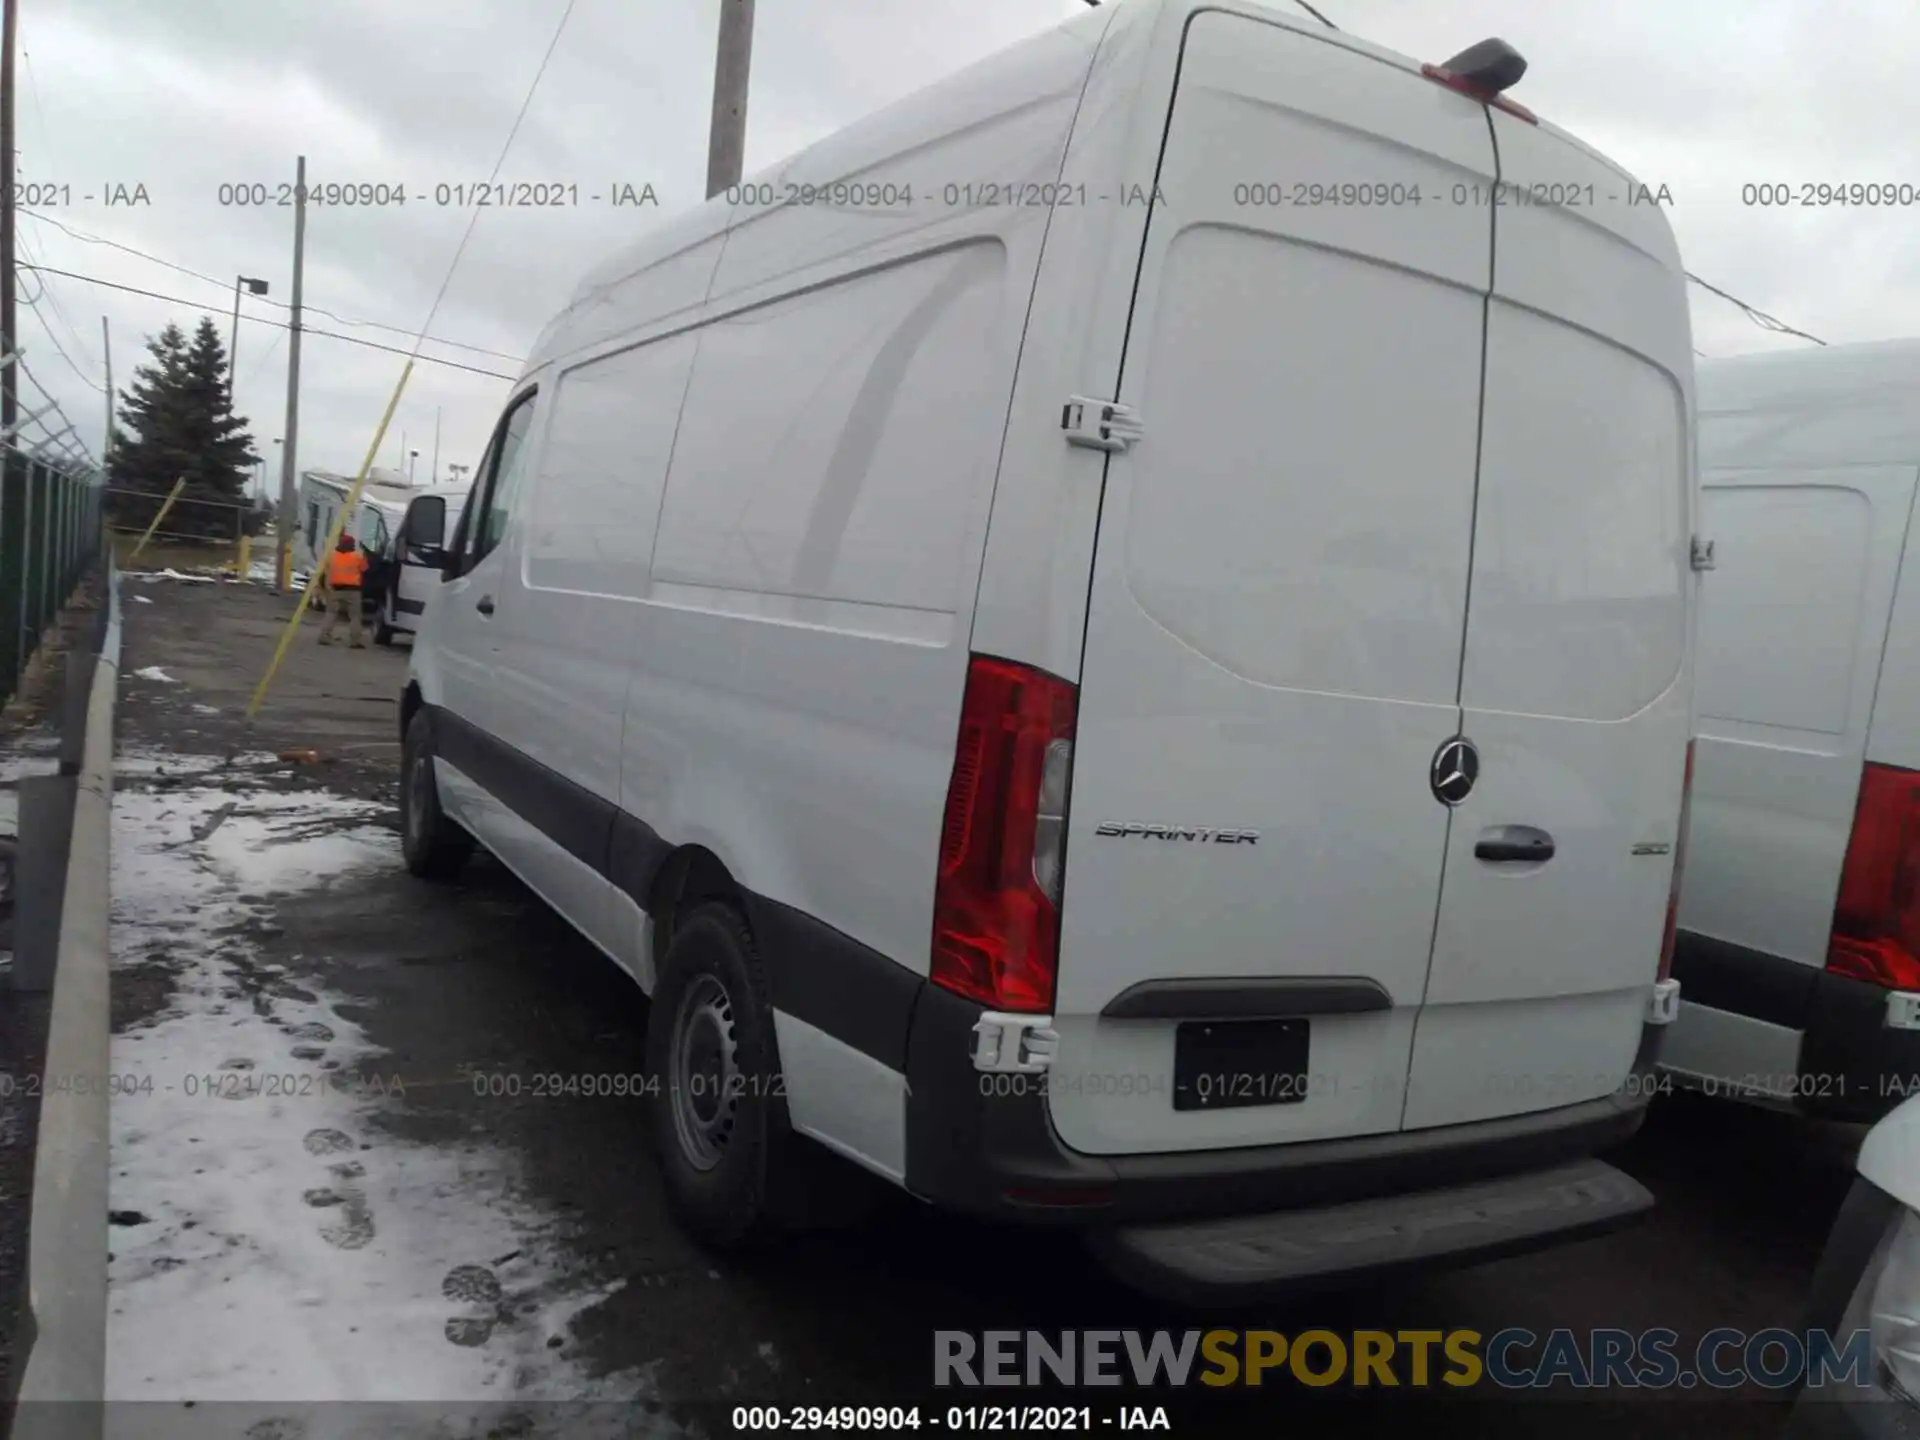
(346, 568)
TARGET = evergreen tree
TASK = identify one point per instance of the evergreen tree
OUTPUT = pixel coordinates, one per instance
(180, 410)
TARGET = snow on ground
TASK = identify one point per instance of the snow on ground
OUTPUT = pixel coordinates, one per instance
(148, 577)
(273, 1244)
(34, 757)
(154, 672)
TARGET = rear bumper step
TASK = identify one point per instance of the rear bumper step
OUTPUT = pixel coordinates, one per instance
(1240, 1258)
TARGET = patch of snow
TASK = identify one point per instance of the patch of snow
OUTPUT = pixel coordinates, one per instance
(148, 577)
(142, 599)
(154, 672)
(14, 769)
(293, 1249)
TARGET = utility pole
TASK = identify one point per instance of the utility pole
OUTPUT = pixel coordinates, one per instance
(283, 565)
(106, 445)
(9, 336)
(727, 139)
(434, 478)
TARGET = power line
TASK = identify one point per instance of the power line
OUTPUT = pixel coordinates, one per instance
(54, 340)
(257, 320)
(83, 236)
(1753, 313)
(53, 300)
(33, 304)
(33, 90)
(266, 355)
(474, 218)
(1316, 14)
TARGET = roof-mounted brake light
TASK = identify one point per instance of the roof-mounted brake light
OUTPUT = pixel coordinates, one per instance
(1484, 72)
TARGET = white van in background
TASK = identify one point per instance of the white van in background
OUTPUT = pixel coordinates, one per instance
(977, 622)
(323, 495)
(1799, 944)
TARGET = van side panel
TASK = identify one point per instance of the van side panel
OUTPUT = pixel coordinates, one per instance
(1894, 735)
(1791, 627)
(805, 645)
(803, 648)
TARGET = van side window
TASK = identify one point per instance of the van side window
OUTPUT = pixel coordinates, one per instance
(509, 467)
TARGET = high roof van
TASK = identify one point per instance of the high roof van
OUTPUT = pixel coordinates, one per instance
(1799, 944)
(1112, 645)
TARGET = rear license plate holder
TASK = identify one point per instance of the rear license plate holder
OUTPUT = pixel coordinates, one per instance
(1234, 1064)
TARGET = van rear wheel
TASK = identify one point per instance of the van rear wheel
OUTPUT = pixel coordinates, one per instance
(717, 1109)
(434, 846)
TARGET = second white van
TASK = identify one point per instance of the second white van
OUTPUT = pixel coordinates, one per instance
(1099, 684)
(1799, 945)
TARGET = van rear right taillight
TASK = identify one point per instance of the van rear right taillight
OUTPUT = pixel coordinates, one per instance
(996, 903)
(1876, 923)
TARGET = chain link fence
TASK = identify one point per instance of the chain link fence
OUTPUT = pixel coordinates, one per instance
(50, 535)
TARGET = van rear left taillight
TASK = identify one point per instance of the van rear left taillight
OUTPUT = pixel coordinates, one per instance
(996, 904)
(1679, 864)
(1876, 922)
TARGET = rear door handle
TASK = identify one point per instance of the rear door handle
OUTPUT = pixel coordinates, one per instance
(1510, 843)
(485, 605)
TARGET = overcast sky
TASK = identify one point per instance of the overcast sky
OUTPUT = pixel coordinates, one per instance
(1703, 97)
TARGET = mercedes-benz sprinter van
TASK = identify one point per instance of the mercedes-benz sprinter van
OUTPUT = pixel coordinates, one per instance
(1799, 944)
(1112, 645)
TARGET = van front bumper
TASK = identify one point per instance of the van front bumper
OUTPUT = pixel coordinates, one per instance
(997, 1155)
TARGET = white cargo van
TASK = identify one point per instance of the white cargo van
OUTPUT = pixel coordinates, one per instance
(322, 496)
(1096, 687)
(1799, 944)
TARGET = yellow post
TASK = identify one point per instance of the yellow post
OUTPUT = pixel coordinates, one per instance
(242, 564)
(333, 538)
(159, 515)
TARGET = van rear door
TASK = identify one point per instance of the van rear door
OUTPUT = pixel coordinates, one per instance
(1277, 607)
(1577, 652)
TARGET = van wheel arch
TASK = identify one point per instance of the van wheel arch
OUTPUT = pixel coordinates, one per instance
(688, 878)
(410, 701)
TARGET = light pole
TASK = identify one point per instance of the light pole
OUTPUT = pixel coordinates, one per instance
(413, 458)
(254, 287)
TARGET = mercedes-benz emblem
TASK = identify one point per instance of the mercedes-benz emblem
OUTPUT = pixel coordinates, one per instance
(1456, 765)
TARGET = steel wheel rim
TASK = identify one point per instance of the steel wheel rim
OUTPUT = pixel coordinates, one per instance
(703, 1075)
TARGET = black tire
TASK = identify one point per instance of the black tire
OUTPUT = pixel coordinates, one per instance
(731, 1185)
(435, 847)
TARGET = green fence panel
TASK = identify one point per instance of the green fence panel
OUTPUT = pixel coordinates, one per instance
(13, 550)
